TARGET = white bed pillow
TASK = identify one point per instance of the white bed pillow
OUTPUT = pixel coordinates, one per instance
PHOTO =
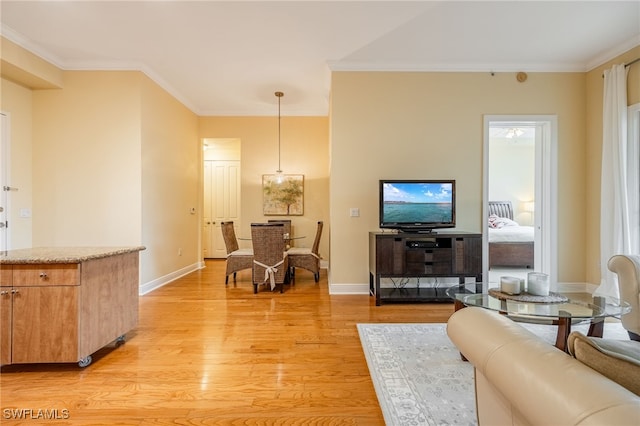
(499, 222)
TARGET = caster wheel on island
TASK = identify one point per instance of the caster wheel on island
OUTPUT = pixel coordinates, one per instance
(85, 361)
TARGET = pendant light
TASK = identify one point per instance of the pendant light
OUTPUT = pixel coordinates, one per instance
(279, 176)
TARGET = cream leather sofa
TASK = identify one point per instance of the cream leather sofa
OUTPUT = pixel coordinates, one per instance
(522, 380)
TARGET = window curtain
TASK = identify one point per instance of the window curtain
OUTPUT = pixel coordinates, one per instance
(618, 235)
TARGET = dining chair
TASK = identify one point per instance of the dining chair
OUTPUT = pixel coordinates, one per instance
(307, 258)
(270, 260)
(237, 258)
(287, 229)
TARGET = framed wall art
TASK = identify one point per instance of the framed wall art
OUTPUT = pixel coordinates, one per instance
(283, 195)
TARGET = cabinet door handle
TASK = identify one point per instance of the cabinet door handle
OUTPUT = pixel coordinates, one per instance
(3, 292)
(15, 291)
(43, 275)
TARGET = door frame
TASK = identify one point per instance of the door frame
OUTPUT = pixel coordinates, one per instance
(546, 183)
(5, 164)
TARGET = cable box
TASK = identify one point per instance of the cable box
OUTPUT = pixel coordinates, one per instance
(422, 244)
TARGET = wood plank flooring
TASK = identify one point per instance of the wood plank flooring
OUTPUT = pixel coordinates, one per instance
(206, 354)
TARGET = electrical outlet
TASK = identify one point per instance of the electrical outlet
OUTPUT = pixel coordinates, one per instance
(354, 212)
(179, 252)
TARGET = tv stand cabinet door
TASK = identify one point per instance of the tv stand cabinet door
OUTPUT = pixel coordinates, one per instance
(388, 254)
(468, 256)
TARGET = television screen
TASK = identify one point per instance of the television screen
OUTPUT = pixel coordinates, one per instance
(417, 204)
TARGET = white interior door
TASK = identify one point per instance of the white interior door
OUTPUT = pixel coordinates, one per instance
(4, 193)
(221, 204)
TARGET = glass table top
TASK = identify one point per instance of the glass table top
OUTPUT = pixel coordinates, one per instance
(583, 307)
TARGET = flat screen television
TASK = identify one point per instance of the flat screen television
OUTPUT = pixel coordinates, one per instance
(417, 205)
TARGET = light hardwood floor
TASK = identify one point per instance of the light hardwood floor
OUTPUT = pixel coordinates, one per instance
(204, 354)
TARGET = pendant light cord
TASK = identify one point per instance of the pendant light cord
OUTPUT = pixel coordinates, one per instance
(279, 95)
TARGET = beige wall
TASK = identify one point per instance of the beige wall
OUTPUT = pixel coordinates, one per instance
(430, 125)
(595, 93)
(16, 102)
(304, 150)
(86, 161)
(171, 184)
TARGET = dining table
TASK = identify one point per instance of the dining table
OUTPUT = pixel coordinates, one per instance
(288, 239)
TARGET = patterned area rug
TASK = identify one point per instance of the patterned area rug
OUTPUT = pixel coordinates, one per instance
(419, 377)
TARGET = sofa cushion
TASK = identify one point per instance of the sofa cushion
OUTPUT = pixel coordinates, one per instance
(619, 360)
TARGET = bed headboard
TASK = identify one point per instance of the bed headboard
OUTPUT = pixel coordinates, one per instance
(501, 209)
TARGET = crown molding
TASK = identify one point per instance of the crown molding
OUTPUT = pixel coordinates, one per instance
(613, 53)
(506, 67)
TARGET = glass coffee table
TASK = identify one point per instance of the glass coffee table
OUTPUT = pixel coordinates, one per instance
(559, 309)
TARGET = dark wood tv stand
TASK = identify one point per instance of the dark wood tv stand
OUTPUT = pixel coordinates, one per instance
(415, 255)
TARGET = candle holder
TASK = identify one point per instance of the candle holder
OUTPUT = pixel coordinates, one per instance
(510, 285)
(538, 284)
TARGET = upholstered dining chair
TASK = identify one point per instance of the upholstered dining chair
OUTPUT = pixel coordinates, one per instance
(237, 258)
(627, 268)
(270, 260)
(307, 258)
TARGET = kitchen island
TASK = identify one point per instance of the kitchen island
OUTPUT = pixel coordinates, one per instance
(62, 304)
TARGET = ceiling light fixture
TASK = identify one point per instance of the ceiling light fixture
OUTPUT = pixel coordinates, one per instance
(514, 133)
(279, 177)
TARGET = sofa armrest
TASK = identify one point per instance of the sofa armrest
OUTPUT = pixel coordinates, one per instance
(533, 381)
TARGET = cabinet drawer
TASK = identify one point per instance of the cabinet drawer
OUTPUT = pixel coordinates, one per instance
(428, 255)
(6, 275)
(46, 274)
(437, 268)
(442, 255)
(417, 256)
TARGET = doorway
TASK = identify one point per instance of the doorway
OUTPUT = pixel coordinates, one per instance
(520, 168)
(222, 193)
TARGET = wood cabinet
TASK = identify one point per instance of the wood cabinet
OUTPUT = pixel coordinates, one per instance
(409, 255)
(64, 312)
(6, 282)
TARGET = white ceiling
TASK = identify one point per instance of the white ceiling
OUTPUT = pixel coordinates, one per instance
(228, 58)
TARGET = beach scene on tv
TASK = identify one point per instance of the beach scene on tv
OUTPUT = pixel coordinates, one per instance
(417, 202)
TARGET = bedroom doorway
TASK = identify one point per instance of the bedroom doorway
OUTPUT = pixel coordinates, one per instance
(520, 176)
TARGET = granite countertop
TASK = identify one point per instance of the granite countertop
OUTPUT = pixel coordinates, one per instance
(61, 254)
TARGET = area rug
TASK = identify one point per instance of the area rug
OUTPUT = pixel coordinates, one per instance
(419, 377)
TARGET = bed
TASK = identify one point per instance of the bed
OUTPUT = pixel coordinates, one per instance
(510, 244)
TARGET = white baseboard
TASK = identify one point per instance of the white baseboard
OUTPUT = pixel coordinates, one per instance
(573, 288)
(345, 289)
(159, 282)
